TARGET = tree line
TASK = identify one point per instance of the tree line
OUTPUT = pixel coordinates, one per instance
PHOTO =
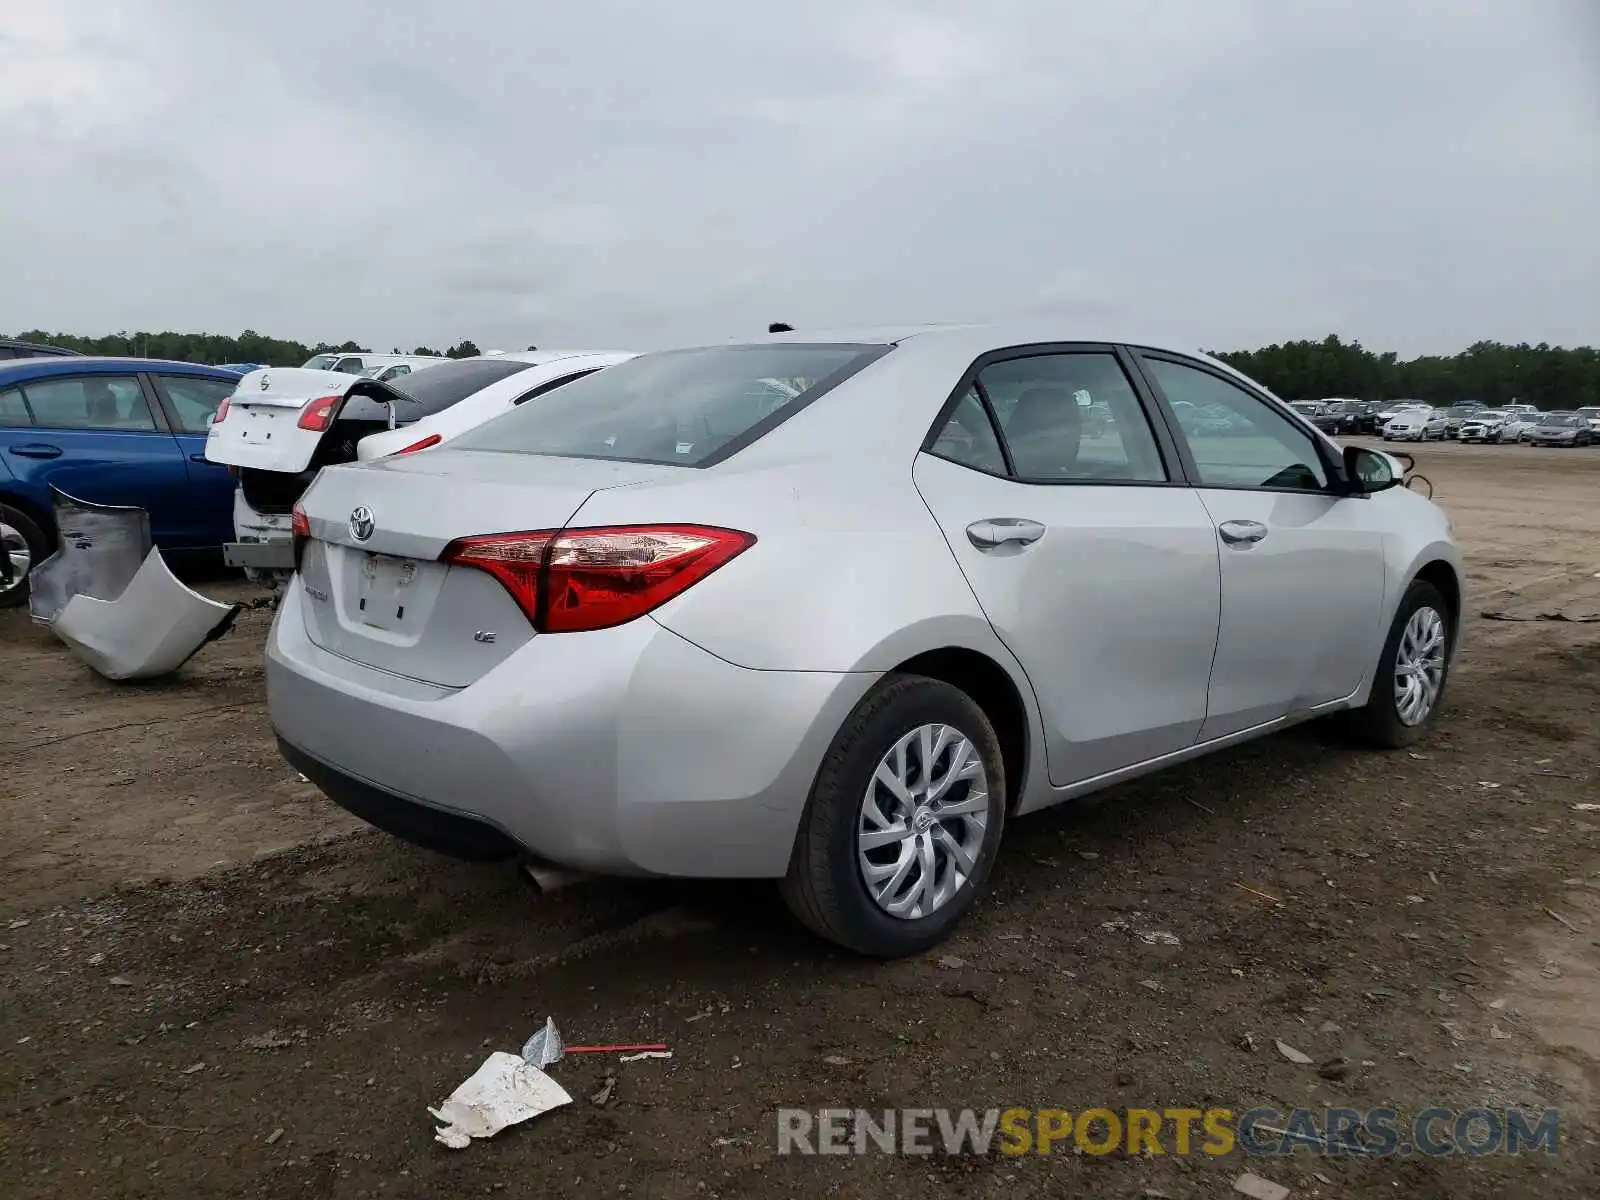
(217, 348)
(1491, 372)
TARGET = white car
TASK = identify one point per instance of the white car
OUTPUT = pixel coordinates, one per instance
(1416, 425)
(283, 425)
(1519, 423)
(359, 363)
(427, 424)
(1484, 425)
(1390, 411)
(384, 372)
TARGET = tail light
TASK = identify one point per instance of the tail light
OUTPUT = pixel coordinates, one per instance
(433, 439)
(571, 580)
(222, 411)
(300, 527)
(317, 415)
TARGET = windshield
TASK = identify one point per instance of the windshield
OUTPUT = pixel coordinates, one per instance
(447, 384)
(1305, 406)
(1463, 410)
(681, 407)
(1489, 414)
(320, 362)
(1560, 419)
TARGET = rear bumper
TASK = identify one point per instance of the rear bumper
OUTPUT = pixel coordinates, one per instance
(437, 829)
(275, 555)
(264, 541)
(250, 526)
(625, 751)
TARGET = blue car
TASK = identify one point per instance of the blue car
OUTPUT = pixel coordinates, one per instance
(111, 431)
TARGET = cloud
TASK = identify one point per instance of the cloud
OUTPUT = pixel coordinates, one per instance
(1416, 173)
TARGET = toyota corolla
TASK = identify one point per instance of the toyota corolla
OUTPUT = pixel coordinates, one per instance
(834, 610)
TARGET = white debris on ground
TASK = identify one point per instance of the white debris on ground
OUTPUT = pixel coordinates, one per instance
(545, 1048)
(1258, 1188)
(1293, 1055)
(506, 1090)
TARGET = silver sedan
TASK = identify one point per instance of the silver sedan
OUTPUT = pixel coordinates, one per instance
(833, 609)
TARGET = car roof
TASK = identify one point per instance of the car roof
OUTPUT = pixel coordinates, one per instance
(18, 369)
(980, 336)
(537, 358)
(46, 347)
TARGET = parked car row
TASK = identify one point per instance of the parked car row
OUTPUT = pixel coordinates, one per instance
(1509, 424)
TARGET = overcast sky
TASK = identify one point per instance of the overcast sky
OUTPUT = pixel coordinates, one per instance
(1418, 174)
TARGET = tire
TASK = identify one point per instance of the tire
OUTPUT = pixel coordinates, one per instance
(1379, 722)
(15, 594)
(825, 887)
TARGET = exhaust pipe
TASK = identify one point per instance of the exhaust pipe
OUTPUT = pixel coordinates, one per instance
(547, 877)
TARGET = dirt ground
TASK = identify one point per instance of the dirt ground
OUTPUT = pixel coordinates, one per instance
(216, 984)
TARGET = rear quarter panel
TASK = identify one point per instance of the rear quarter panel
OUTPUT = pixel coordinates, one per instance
(849, 572)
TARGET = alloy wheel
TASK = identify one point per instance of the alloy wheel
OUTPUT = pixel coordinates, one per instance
(1419, 666)
(18, 558)
(923, 820)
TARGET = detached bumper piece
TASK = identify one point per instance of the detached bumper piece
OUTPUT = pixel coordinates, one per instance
(155, 626)
(102, 549)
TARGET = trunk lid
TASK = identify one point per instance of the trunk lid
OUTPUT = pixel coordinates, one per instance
(261, 429)
(386, 601)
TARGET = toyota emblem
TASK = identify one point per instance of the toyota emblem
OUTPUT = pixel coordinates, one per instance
(362, 524)
(266, 382)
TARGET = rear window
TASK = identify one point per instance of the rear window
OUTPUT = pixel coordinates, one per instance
(447, 384)
(687, 408)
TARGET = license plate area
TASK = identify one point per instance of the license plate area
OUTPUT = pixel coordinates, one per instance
(257, 424)
(384, 586)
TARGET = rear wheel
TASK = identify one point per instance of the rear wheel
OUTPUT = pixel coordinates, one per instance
(1414, 666)
(23, 546)
(903, 822)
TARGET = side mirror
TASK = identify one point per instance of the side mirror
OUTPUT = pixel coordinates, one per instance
(1367, 471)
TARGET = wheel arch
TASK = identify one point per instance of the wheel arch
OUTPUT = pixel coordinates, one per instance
(998, 693)
(39, 516)
(1444, 576)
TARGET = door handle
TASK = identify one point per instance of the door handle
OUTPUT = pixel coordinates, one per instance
(36, 450)
(997, 531)
(1242, 533)
(199, 458)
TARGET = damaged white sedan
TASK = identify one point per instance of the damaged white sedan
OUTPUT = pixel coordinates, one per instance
(283, 425)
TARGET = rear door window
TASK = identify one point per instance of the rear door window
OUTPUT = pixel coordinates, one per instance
(113, 402)
(687, 408)
(195, 399)
(448, 384)
(13, 412)
(551, 385)
(1072, 418)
